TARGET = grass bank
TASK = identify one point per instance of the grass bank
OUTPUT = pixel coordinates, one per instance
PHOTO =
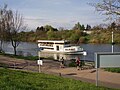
(24, 57)
(20, 56)
(20, 80)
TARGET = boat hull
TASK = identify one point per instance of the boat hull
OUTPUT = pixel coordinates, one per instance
(75, 52)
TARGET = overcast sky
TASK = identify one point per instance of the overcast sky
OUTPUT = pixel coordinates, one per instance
(58, 13)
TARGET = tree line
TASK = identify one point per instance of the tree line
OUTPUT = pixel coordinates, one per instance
(98, 34)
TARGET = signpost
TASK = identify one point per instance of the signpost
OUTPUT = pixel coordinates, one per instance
(40, 63)
(105, 60)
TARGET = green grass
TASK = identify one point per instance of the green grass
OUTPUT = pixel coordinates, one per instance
(21, 57)
(25, 57)
(20, 80)
(3, 65)
(117, 70)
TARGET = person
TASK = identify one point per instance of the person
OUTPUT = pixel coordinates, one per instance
(62, 63)
(78, 63)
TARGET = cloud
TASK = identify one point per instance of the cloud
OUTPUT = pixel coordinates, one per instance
(67, 21)
(58, 13)
(33, 23)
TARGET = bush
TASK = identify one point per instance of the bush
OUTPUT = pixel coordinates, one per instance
(72, 64)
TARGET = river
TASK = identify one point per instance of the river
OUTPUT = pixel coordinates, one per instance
(26, 49)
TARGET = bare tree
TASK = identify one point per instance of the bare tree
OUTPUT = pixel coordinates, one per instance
(2, 26)
(13, 24)
(10, 25)
(110, 8)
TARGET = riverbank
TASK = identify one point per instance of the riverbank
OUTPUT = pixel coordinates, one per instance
(107, 79)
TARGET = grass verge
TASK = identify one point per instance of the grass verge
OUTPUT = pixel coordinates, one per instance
(117, 70)
(21, 80)
(20, 57)
(24, 57)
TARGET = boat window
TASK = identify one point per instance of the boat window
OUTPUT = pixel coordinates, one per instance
(67, 46)
(61, 47)
(72, 49)
(63, 43)
(59, 43)
(67, 42)
(57, 48)
(46, 44)
(49, 48)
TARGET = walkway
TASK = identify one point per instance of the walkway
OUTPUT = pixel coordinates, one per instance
(106, 79)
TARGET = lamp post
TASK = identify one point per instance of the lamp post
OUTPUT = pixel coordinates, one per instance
(84, 54)
(112, 43)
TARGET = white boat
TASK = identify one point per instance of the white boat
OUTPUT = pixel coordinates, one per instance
(59, 46)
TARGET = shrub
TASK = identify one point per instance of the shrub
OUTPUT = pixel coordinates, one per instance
(72, 64)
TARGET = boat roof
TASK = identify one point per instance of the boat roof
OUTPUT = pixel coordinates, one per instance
(54, 41)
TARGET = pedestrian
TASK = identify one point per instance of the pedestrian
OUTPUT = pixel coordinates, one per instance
(62, 62)
(78, 63)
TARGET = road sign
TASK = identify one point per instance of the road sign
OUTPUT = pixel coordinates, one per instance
(105, 60)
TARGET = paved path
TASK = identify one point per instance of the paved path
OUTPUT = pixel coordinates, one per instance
(106, 79)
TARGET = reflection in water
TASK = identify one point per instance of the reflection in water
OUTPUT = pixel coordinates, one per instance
(58, 56)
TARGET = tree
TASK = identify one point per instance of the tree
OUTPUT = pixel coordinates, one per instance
(77, 26)
(98, 27)
(48, 28)
(1, 28)
(45, 28)
(50, 34)
(40, 29)
(76, 34)
(88, 27)
(82, 27)
(112, 26)
(108, 7)
(3, 32)
(14, 23)
(61, 29)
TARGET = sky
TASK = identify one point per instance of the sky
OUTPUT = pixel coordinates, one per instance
(57, 13)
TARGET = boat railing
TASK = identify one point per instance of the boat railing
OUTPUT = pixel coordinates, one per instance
(46, 45)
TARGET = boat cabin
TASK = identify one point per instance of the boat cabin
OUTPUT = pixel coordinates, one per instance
(53, 45)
